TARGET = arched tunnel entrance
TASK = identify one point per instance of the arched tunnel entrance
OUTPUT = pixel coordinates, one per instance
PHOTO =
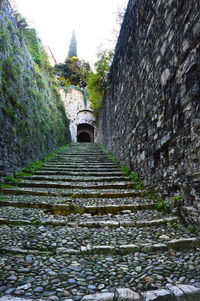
(85, 133)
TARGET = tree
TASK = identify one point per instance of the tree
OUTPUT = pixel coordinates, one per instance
(97, 80)
(73, 72)
(73, 46)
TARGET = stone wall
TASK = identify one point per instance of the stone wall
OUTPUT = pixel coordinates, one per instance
(33, 121)
(150, 117)
(78, 111)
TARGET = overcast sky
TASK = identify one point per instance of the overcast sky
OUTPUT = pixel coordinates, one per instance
(93, 21)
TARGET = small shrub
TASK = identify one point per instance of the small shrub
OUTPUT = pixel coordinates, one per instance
(191, 229)
(164, 207)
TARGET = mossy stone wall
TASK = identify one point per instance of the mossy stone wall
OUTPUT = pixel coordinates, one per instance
(33, 121)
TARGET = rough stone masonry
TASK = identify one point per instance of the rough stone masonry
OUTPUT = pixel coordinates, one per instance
(150, 116)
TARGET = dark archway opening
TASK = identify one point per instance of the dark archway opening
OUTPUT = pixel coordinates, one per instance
(83, 137)
(85, 133)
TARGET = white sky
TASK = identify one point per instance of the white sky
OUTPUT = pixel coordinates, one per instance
(93, 21)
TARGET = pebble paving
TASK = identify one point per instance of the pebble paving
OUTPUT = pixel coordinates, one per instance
(41, 253)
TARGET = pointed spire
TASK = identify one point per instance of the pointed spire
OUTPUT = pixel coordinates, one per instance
(73, 46)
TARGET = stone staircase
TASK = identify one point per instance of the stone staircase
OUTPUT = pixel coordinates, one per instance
(79, 230)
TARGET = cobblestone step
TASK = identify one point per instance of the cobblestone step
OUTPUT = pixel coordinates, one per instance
(55, 178)
(105, 240)
(81, 169)
(70, 208)
(128, 213)
(71, 193)
(79, 235)
(64, 185)
(77, 275)
(81, 174)
(75, 165)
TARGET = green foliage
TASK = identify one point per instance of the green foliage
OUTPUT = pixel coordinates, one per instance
(73, 72)
(29, 170)
(109, 155)
(10, 179)
(21, 22)
(150, 194)
(97, 80)
(177, 198)
(73, 46)
(164, 207)
(191, 229)
(140, 186)
(33, 113)
(112, 158)
(179, 227)
(22, 174)
(5, 186)
(34, 45)
(131, 175)
(36, 165)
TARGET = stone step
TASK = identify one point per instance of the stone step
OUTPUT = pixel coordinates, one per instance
(81, 155)
(130, 218)
(81, 173)
(81, 166)
(146, 248)
(80, 202)
(81, 169)
(70, 208)
(72, 194)
(80, 185)
(124, 223)
(106, 240)
(88, 224)
(55, 178)
(35, 276)
(82, 161)
(75, 164)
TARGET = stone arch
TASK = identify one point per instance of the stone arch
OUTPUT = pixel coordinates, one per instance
(85, 133)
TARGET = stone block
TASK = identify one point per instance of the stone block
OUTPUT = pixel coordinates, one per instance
(158, 295)
(125, 294)
(98, 297)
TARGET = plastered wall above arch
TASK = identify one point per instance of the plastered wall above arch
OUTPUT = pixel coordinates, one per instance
(78, 111)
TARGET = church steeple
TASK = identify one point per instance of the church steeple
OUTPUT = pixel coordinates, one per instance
(73, 46)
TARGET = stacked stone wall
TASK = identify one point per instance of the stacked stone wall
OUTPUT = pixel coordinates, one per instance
(150, 116)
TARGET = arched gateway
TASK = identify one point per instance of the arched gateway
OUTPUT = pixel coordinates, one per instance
(82, 119)
(85, 133)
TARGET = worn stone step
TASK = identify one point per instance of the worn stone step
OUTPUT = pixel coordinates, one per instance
(81, 155)
(70, 208)
(80, 202)
(131, 218)
(145, 239)
(64, 185)
(81, 173)
(89, 224)
(72, 194)
(81, 275)
(55, 178)
(124, 223)
(85, 161)
(75, 164)
(122, 239)
(81, 169)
